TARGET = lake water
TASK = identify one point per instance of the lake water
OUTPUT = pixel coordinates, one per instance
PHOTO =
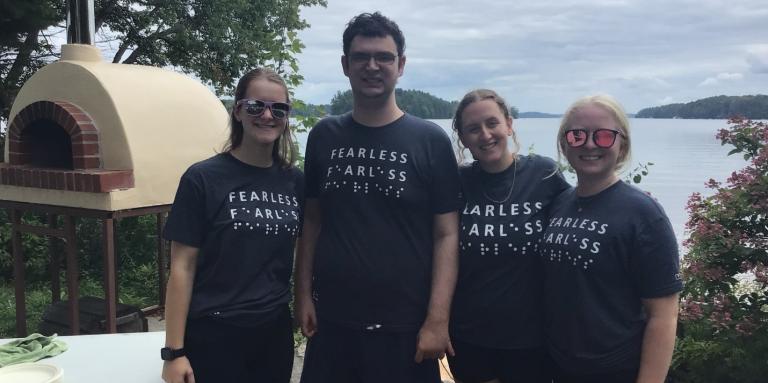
(685, 154)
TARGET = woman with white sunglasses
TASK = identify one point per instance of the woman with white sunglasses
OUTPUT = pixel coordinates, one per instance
(233, 227)
(611, 260)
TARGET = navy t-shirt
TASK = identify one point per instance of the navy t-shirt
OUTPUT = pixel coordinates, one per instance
(245, 220)
(379, 189)
(498, 299)
(603, 254)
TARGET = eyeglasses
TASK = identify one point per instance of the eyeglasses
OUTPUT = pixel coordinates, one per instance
(381, 58)
(256, 108)
(603, 138)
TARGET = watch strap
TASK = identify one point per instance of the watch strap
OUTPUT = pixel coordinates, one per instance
(167, 353)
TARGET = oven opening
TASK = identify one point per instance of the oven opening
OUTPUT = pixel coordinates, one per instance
(48, 145)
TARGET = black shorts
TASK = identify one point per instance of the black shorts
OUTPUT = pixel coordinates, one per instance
(222, 352)
(623, 376)
(476, 364)
(338, 354)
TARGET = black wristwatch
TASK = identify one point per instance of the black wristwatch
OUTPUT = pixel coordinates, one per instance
(167, 353)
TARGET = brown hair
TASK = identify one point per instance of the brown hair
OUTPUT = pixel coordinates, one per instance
(284, 149)
(472, 97)
(372, 25)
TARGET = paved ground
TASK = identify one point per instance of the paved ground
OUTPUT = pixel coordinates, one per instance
(155, 323)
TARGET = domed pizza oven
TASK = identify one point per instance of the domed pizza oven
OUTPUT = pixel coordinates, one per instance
(89, 134)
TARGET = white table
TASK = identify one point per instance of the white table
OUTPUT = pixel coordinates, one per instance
(114, 358)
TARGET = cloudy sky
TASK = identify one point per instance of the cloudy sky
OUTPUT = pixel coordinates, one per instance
(543, 54)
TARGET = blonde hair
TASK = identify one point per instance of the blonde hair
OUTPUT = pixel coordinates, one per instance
(610, 105)
(470, 98)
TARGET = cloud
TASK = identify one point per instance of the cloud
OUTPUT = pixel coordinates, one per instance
(543, 54)
(758, 60)
(721, 77)
(666, 100)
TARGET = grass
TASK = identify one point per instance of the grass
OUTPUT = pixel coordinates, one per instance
(137, 287)
(37, 300)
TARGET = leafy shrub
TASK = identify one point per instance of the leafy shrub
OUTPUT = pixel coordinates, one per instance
(724, 313)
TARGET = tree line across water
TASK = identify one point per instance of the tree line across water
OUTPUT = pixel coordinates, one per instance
(425, 105)
(415, 102)
(719, 107)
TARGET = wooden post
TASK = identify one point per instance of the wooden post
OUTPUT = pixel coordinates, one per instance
(55, 261)
(18, 273)
(116, 262)
(73, 277)
(110, 292)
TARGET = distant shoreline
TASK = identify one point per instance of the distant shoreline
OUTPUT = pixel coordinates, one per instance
(634, 117)
(753, 107)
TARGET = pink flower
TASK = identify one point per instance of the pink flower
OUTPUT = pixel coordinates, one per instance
(746, 327)
(723, 134)
(746, 266)
(713, 184)
(691, 310)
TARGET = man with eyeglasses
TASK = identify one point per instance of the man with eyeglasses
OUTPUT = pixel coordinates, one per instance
(377, 260)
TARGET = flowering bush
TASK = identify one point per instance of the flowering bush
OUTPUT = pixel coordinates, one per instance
(724, 306)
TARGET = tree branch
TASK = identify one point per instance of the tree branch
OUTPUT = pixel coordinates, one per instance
(22, 59)
(150, 39)
(120, 52)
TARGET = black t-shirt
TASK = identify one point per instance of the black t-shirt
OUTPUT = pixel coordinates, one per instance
(379, 189)
(498, 299)
(603, 254)
(245, 220)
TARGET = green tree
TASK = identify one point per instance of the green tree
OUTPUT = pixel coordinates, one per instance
(724, 313)
(341, 102)
(215, 40)
(754, 107)
(415, 102)
(309, 110)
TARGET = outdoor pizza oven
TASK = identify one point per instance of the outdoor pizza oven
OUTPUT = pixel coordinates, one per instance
(89, 134)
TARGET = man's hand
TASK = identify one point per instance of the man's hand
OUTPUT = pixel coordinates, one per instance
(178, 371)
(305, 255)
(305, 315)
(433, 341)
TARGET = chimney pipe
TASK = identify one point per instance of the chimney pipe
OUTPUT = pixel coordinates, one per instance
(80, 22)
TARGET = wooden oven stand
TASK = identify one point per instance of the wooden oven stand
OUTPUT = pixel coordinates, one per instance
(68, 234)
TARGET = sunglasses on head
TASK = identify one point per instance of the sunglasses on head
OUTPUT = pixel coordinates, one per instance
(256, 108)
(603, 138)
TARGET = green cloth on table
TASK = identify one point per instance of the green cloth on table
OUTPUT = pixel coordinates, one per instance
(30, 349)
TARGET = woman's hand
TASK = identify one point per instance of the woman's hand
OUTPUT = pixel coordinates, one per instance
(178, 295)
(178, 371)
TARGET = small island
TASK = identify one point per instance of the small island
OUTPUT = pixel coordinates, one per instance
(719, 107)
(416, 102)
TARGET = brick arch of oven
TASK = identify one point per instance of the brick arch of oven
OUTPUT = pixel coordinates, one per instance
(75, 122)
(86, 174)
